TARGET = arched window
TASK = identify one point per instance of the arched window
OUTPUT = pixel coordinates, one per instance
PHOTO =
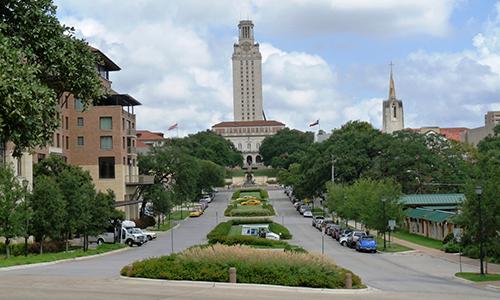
(394, 111)
(239, 146)
(249, 146)
(257, 146)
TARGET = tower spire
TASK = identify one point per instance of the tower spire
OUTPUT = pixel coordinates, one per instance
(392, 90)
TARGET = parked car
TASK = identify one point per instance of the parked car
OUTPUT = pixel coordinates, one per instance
(206, 198)
(307, 214)
(343, 239)
(316, 219)
(304, 208)
(195, 212)
(366, 243)
(354, 237)
(297, 205)
(251, 203)
(150, 235)
(329, 228)
(342, 232)
(324, 224)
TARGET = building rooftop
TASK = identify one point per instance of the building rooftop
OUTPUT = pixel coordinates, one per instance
(119, 99)
(248, 124)
(149, 135)
(430, 215)
(432, 199)
(110, 65)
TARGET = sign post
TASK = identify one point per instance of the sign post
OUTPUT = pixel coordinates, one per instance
(392, 225)
(457, 234)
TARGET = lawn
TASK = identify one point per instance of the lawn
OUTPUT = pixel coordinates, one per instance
(47, 257)
(476, 277)
(174, 216)
(235, 230)
(417, 239)
(391, 246)
(251, 194)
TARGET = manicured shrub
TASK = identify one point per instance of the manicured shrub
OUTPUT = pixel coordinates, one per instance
(34, 248)
(448, 238)
(281, 230)
(220, 233)
(290, 268)
(451, 247)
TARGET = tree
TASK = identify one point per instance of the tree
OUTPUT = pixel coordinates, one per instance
(78, 193)
(11, 209)
(211, 175)
(161, 199)
(49, 209)
(208, 145)
(284, 148)
(101, 213)
(53, 60)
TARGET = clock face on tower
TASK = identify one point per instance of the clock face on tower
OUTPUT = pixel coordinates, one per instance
(246, 46)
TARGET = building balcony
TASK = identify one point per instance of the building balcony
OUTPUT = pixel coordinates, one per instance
(139, 179)
(131, 150)
(131, 132)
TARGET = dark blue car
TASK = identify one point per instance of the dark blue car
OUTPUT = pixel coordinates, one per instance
(366, 243)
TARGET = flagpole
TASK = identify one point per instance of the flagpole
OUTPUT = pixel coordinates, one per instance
(177, 129)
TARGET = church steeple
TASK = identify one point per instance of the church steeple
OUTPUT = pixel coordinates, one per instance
(392, 90)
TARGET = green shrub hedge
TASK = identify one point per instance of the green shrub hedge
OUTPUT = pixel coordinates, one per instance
(288, 268)
(264, 195)
(220, 234)
(233, 210)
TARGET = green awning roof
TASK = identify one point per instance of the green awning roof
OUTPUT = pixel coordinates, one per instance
(430, 215)
(432, 199)
(449, 207)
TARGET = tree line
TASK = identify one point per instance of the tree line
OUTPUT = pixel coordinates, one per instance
(371, 166)
(185, 168)
(63, 202)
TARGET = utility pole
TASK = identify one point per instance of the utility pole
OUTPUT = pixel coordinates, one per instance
(385, 221)
(479, 192)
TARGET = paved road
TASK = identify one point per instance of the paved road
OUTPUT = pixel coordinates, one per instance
(404, 272)
(393, 276)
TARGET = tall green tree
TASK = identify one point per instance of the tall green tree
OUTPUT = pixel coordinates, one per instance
(49, 211)
(161, 199)
(211, 175)
(285, 147)
(101, 210)
(40, 60)
(208, 145)
(12, 194)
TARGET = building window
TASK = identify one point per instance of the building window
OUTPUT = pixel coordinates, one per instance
(106, 167)
(106, 142)
(239, 146)
(67, 142)
(394, 110)
(249, 146)
(19, 166)
(106, 123)
(67, 123)
(80, 141)
(78, 105)
(58, 140)
(79, 122)
(257, 146)
(40, 157)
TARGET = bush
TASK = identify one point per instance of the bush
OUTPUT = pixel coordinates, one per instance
(280, 229)
(451, 247)
(291, 268)
(145, 221)
(294, 248)
(263, 193)
(220, 232)
(448, 238)
(233, 210)
(34, 248)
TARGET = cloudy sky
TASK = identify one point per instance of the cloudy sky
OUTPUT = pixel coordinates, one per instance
(322, 59)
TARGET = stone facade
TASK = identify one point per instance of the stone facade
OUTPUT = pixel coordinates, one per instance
(392, 111)
(475, 135)
(248, 136)
(247, 76)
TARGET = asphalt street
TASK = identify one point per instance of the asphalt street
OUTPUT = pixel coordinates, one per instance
(390, 276)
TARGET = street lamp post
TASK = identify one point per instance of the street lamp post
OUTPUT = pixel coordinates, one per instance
(26, 234)
(479, 192)
(385, 221)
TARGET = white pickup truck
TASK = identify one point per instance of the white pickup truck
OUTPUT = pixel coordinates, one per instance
(125, 233)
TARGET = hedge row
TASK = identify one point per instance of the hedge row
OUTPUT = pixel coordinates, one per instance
(233, 210)
(220, 234)
(252, 265)
(264, 195)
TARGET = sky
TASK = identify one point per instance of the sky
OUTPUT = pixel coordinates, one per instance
(321, 59)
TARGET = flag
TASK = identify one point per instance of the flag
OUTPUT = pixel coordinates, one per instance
(172, 127)
(314, 123)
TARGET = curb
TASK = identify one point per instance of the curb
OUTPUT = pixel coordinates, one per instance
(476, 284)
(264, 287)
(49, 263)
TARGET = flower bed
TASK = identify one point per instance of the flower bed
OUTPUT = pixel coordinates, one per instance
(253, 266)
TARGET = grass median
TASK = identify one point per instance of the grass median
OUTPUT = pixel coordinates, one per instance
(476, 277)
(391, 246)
(174, 216)
(418, 239)
(48, 257)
